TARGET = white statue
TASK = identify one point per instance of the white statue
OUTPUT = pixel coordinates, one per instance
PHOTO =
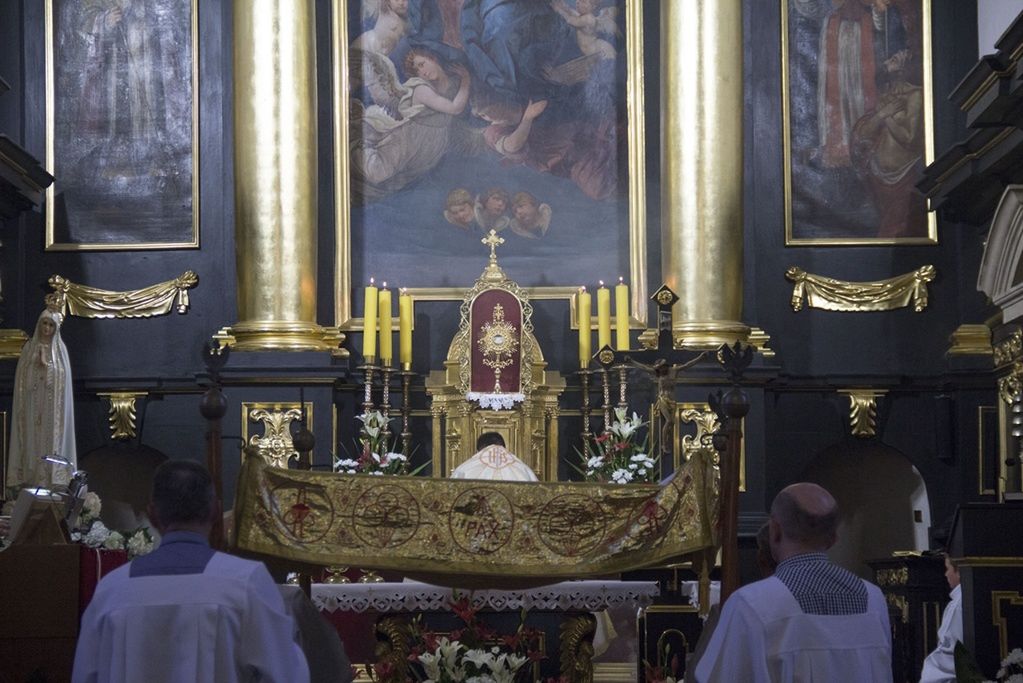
(43, 418)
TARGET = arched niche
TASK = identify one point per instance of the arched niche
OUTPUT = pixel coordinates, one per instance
(1001, 268)
(882, 501)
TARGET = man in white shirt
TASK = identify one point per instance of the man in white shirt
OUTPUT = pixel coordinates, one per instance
(186, 612)
(812, 620)
(493, 461)
(940, 665)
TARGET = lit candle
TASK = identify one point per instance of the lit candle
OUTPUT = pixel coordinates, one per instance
(404, 328)
(621, 316)
(386, 347)
(583, 313)
(603, 316)
(369, 322)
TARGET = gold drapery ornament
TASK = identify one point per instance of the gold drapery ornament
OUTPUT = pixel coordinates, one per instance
(1009, 349)
(839, 295)
(863, 411)
(1011, 384)
(122, 412)
(91, 302)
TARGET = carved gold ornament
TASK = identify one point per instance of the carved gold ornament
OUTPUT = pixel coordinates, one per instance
(498, 343)
(839, 295)
(900, 603)
(90, 302)
(863, 411)
(896, 576)
(275, 444)
(1011, 384)
(122, 413)
(1009, 349)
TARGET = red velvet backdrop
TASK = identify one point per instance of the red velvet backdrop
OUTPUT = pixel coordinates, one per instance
(482, 312)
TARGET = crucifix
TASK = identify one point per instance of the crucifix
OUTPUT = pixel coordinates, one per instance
(493, 241)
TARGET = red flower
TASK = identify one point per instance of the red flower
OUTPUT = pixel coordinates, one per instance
(621, 446)
(602, 438)
(465, 611)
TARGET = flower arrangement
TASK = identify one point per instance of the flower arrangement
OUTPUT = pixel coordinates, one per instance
(94, 533)
(375, 455)
(473, 654)
(615, 456)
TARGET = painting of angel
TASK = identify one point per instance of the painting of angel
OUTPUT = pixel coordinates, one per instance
(477, 108)
(856, 121)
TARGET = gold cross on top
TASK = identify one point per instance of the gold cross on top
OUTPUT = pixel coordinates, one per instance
(493, 241)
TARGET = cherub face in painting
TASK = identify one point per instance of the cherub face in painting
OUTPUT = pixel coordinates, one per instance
(527, 214)
(399, 7)
(462, 213)
(586, 6)
(46, 328)
(426, 67)
(495, 205)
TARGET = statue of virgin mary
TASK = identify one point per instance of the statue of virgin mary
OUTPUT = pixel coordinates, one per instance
(43, 418)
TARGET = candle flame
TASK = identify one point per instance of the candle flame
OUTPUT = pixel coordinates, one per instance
(601, 283)
(371, 282)
(404, 290)
(621, 280)
(385, 284)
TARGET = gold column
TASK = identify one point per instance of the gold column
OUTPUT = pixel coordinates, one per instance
(275, 177)
(701, 168)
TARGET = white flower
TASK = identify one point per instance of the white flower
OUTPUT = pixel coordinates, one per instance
(621, 476)
(595, 463)
(97, 534)
(348, 464)
(431, 664)
(372, 431)
(621, 414)
(140, 543)
(480, 658)
(115, 541)
(91, 506)
(377, 473)
(391, 457)
(1015, 678)
(1015, 656)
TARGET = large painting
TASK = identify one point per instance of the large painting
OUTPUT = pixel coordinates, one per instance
(858, 124)
(457, 117)
(121, 80)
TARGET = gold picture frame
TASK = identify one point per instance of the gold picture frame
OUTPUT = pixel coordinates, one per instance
(636, 163)
(792, 236)
(52, 242)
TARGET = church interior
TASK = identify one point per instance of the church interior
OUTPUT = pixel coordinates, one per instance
(306, 241)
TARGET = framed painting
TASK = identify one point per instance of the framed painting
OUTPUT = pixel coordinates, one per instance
(122, 124)
(456, 117)
(857, 118)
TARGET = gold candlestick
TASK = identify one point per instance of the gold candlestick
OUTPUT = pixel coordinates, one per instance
(406, 433)
(584, 383)
(607, 399)
(385, 399)
(367, 398)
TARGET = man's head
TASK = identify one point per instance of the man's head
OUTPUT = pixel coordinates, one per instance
(951, 571)
(183, 498)
(489, 439)
(804, 519)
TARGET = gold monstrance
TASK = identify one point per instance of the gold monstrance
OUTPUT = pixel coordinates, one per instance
(498, 342)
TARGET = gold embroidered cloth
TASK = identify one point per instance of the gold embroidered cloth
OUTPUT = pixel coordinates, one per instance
(474, 529)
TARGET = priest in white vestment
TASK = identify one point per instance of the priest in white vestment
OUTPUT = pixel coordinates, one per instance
(186, 612)
(940, 665)
(493, 461)
(812, 620)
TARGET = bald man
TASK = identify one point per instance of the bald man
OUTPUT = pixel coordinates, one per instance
(812, 620)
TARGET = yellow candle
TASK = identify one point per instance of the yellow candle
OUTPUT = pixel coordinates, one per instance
(386, 347)
(369, 322)
(621, 316)
(404, 328)
(603, 316)
(583, 313)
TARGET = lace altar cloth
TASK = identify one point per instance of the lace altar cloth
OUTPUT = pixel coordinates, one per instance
(589, 596)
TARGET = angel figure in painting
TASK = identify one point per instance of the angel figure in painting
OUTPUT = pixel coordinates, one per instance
(589, 23)
(390, 25)
(43, 419)
(459, 209)
(492, 209)
(532, 219)
(390, 152)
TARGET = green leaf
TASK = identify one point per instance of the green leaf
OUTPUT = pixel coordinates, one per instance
(967, 670)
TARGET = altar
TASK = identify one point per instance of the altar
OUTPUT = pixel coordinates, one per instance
(576, 620)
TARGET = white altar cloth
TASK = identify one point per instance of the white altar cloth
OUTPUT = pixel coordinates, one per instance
(408, 596)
